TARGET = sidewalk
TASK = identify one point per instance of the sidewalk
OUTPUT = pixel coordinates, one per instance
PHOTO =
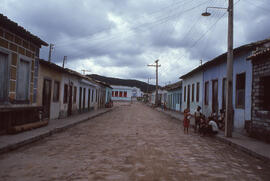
(247, 144)
(11, 142)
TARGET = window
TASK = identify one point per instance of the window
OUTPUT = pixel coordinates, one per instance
(56, 91)
(185, 94)
(125, 94)
(206, 93)
(198, 92)
(3, 77)
(75, 95)
(240, 90)
(23, 80)
(120, 94)
(65, 93)
(224, 91)
(116, 93)
(193, 87)
(112, 93)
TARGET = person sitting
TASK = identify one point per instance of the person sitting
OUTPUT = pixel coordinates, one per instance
(213, 127)
(203, 126)
(221, 119)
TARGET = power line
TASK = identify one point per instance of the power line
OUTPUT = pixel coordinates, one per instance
(136, 26)
(144, 25)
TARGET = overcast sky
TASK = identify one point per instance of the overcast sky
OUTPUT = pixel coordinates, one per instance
(118, 38)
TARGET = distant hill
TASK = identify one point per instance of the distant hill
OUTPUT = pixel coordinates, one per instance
(124, 82)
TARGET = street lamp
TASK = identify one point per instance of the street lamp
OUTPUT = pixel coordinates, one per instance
(229, 106)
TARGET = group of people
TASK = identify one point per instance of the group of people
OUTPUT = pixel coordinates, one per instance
(204, 126)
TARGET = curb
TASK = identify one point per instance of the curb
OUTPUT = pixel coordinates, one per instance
(48, 133)
(243, 149)
(229, 142)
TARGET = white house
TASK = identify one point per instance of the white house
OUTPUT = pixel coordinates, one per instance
(125, 93)
(192, 89)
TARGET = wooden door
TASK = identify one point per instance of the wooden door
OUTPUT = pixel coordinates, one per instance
(80, 99)
(89, 94)
(70, 100)
(83, 99)
(188, 97)
(46, 98)
(215, 96)
(23, 81)
(3, 77)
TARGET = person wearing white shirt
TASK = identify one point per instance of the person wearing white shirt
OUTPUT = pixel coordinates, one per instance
(213, 127)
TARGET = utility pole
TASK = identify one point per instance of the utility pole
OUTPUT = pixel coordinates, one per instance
(229, 106)
(147, 84)
(83, 71)
(50, 51)
(64, 60)
(157, 65)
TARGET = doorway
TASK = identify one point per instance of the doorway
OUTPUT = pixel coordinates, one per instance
(80, 100)
(70, 101)
(83, 99)
(188, 97)
(46, 98)
(215, 96)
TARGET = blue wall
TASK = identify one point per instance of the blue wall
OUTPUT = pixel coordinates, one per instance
(240, 65)
(174, 99)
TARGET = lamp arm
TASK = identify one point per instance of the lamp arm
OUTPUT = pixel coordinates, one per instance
(215, 8)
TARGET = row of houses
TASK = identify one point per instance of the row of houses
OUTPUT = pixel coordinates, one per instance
(32, 89)
(205, 86)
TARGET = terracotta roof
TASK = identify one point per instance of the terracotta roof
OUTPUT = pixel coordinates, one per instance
(19, 30)
(259, 53)
(63, 70)
(102, 83)
(223, 57)
(173, 86)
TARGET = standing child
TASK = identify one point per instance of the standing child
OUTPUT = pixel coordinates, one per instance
(197, 116)
(186, 120)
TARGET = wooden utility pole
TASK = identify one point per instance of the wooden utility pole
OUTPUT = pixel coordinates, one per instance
(83, 71)
(50, 52)
(157, 65)
(64, 60)
(229, 106)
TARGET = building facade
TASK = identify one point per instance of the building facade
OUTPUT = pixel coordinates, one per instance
(213, 85)
(63, 92)
(192, 90)
(214, 77)
(19, 50)
(260, 114)
(125, 93)
(174, 96)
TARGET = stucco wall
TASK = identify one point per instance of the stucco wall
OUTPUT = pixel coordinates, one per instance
(172, 103)
(193, 79)
(50, 74)
(240, 66)
(122, 88)
(218, 72)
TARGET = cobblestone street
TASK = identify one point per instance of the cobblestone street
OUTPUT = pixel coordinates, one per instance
(132, 142)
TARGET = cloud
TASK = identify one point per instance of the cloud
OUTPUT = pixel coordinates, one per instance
(119, 38)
